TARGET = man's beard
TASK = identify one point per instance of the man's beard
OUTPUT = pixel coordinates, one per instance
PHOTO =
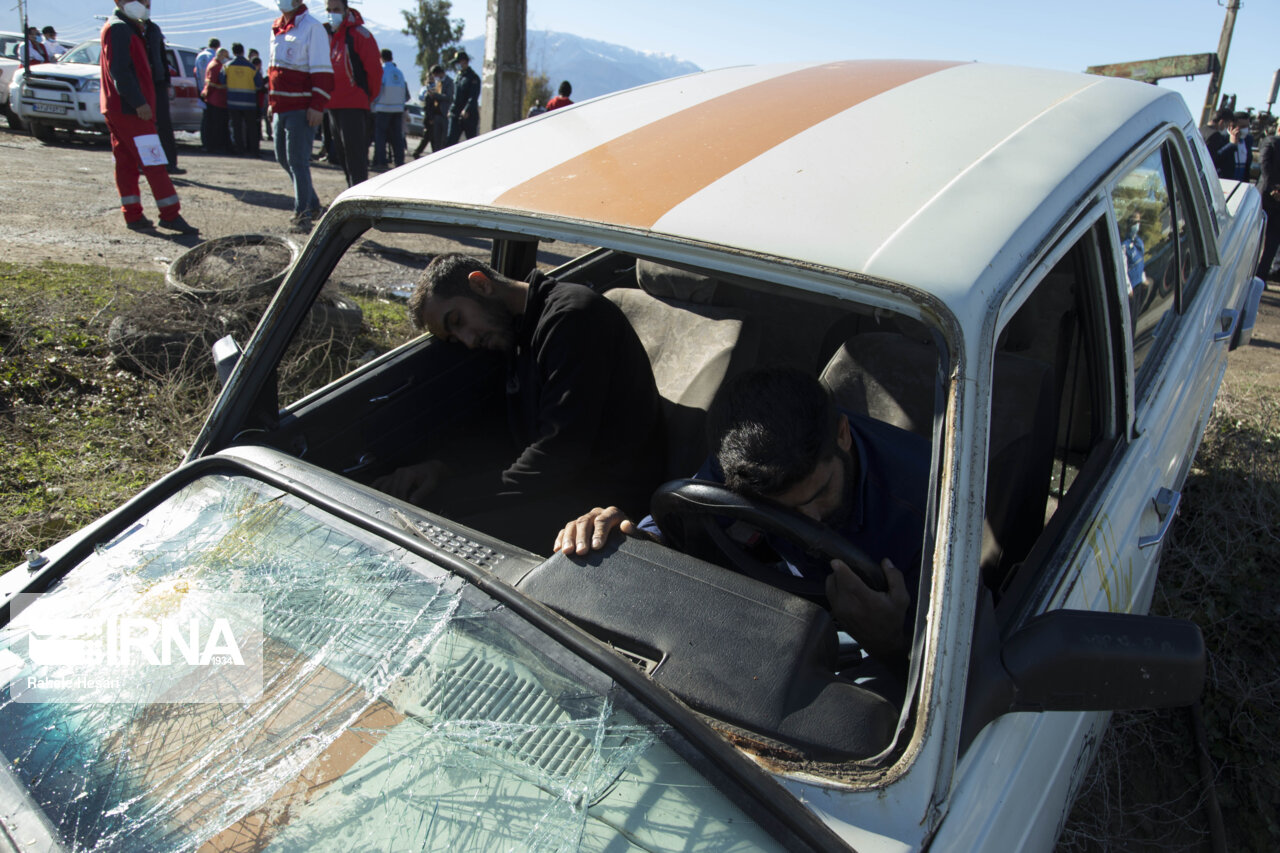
(840, 516)
(503, 320)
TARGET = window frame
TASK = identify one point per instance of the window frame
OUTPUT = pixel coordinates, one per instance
(1104, 333)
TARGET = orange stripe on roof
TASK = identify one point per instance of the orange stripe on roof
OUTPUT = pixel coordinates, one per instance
(638, 177)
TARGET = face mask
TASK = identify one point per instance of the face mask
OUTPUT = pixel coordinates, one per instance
(335, 19)
(136, 10)
(286, 6)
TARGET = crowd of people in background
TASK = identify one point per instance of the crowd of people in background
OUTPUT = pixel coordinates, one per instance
(324, 75)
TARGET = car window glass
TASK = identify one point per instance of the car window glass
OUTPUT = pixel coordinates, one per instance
(87, 53)
(1145, 219)
(399, 707)
(1052, 411)
(188, 63)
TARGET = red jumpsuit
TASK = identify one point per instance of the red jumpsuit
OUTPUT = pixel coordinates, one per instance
(127, 86)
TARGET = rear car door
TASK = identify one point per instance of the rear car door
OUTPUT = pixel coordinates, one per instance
(184, 105)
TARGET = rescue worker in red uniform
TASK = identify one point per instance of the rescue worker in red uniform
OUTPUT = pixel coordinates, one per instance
(127, 101)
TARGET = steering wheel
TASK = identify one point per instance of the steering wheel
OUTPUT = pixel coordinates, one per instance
(682, 508)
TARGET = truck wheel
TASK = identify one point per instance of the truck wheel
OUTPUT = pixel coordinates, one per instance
(15, 121)
(42, 131)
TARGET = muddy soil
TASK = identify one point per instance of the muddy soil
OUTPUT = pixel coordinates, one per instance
(61, 201)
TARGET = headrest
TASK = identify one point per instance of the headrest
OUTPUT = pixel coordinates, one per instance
(670, 283)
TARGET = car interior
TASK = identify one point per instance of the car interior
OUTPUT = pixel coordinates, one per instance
(765, 666)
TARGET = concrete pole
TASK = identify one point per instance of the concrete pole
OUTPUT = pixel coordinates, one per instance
(502, 86)
(1215, 79)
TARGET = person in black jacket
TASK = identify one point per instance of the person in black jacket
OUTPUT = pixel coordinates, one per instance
(582, 403)
(160, 76)
(1269, 186)
(464, 115)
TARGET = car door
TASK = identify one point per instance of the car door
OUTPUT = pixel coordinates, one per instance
(1054, 526)
(1123, 317)
(184, 105)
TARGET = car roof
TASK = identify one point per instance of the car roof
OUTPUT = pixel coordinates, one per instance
(918, 172)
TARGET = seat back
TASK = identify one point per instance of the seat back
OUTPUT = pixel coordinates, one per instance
(693, 348)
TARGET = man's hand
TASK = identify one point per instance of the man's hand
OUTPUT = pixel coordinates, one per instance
(314, 117)
(412, 483)
(589, 532)
(1234, 133)
(872, 618)
(144, 112)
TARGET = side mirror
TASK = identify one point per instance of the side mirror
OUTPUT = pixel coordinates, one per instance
(226, 355)
(1081, 660)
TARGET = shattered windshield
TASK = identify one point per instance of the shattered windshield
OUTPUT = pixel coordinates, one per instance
(399, 709)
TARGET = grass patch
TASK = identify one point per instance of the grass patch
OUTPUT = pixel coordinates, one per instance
(1219, 569)
(81, 434)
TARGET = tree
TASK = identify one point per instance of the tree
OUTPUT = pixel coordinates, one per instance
(537, 90)
(432, 29)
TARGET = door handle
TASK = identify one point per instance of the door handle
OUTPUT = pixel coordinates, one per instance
(1166, 505)
(390, 395)
(1228, 317)
(361, 464)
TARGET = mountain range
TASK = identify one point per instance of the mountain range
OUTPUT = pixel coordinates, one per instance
(593, 67)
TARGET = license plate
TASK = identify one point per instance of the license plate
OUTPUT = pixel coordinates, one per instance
(49, 108)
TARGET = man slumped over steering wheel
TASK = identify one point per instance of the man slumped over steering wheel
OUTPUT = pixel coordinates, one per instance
(779, 442)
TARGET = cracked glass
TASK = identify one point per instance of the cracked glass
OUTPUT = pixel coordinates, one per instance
(401, 709)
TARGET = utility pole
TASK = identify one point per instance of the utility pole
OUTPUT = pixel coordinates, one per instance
(1215, 80)
(502, 89)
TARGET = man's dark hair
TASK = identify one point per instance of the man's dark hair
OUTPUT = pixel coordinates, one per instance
(444, 278)
(50, 31)
(769, 428)
(237, 49)
(565, 89)
(1223, 114)
(436, 69)
(215, 43)
(386, 55)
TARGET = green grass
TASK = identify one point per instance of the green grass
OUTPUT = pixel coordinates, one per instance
(80, 434)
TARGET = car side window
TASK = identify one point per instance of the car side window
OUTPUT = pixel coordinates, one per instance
(1054, 401)
(1161, 257)
(1144, 215)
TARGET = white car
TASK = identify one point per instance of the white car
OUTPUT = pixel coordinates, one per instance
(64, 95)
(1038, 273)
(10, 62)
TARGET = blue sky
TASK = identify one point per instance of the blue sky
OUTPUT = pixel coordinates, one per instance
(1065, 34)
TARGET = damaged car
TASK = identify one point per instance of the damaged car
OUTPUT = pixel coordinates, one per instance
(1047, 301)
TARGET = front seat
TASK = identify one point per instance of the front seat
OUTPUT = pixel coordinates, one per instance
(693, 348)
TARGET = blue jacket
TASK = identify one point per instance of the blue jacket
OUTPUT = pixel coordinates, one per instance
(395, 91)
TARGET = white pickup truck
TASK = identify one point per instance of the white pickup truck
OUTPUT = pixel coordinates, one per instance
(64, 95)
(1036, 274)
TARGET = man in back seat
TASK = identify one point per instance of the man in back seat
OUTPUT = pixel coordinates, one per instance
(581, 402)
(777, 436)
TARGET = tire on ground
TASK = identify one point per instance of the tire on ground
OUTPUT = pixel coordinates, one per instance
(233, 268)
(334, 314)
(42, 131)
